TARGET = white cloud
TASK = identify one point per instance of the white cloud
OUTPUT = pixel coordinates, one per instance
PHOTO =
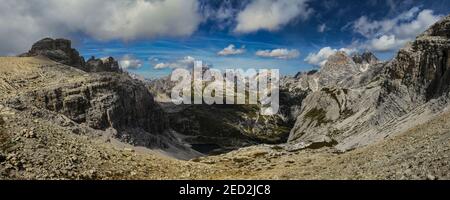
(424, 20)
(270, 15)
(322, 28)
(386, 43)
(391, 34)
(26, 21)
(321, 57)
(369, 28)
(185, 63)
(279, 53)
(161, 66)
(129, 62)
(231, 50)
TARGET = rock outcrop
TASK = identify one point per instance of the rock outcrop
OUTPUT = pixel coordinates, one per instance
(61, 51)
(338, 68)
(103, 102)
(102, 65)
(365, 58)
(424, 65)
(378, 101)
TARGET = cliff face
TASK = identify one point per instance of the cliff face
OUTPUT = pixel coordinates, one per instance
(423, 66)
(365, 58)
(109, 99)
(102, 65)
(105, 101)
(61, 51)
(340, 102)
(380, 100)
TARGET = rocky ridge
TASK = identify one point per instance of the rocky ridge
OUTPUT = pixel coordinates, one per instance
(379, 101)
(61, 51)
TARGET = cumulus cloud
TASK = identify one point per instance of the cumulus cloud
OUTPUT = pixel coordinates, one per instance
(270, 15)
(279, 53)
(391, 34)
(231, 50)
(185, 63)
(24, 22)
(321, 57)
(386, 43)
(129, 62)
(370, 28)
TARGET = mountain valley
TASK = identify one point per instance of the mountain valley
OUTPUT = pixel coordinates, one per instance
(62, 117)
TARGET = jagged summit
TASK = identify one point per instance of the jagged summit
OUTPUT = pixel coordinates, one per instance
(339, 67)
(61, 51)
(108, 64)
(382, 101)
(338, 59)
(424, 65)
(365, 58)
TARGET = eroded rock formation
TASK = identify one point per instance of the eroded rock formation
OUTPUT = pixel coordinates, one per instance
(365, 105)
(61, 51)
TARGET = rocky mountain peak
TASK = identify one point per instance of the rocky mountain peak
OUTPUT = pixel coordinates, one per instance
(357, 109)
(424, 65)
(338, 68)
(61, 51)
(102, 65)
(340, 58)
(365, 58)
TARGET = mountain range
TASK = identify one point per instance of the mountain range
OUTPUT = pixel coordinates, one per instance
(357, 117)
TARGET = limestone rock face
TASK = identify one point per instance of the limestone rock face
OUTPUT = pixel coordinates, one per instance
(372, 100)
(365, 58)
(338, 68)
(424, 65)
(102, 65)
(106, 101)
(59, 50)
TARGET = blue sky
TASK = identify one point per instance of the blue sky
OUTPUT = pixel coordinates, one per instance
(150, 37)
